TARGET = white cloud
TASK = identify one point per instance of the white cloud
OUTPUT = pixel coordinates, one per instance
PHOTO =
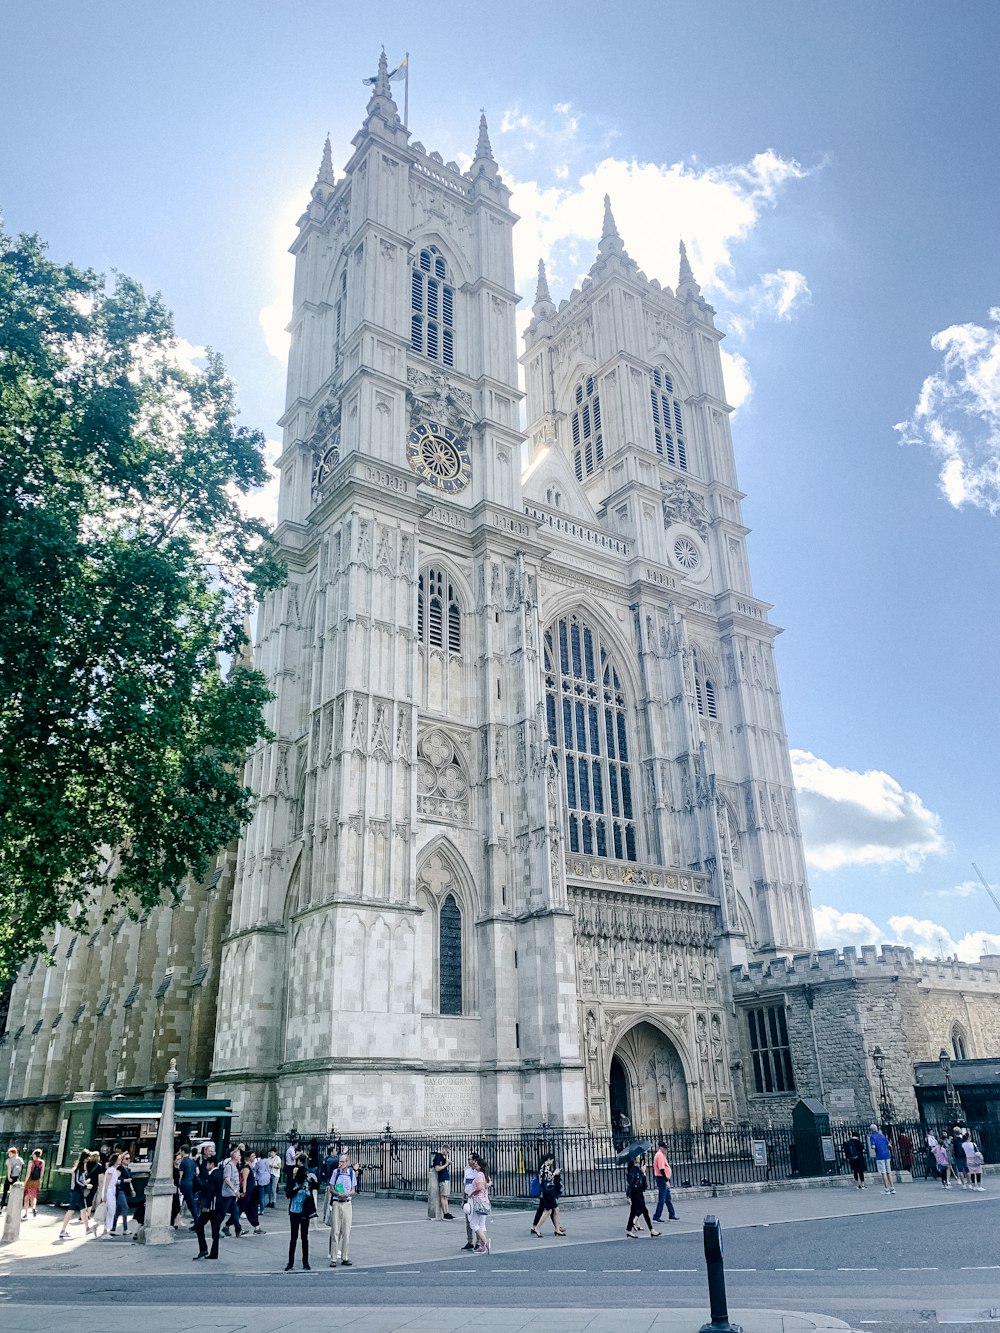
(736, 376)
(957, 415)
(927, 939)
(834, 929)
(966, 889)
(275, 316)
(263, 503)
(851, 818)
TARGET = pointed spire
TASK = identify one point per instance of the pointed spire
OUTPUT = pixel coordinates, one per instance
(610, 226)
(686, 285)
(325, 174)
(542, 296)
(483, 148)
(382, 88)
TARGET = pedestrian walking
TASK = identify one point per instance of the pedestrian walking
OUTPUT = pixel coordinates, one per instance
(32, 1183)
(124, 1194)
(635, 1185)
(187, 1170)
(78, 1186)
(301, 1210)
(95, 1174)
(662, 1173)
(212, 1207)
(477, 1206)
(883, 1158)
(960, 1161)
(942, 1169)
(12, 1172)
(549, 1189)
(343, 1187)
(109, 1195)
(274, 1162)
(262, 1177)
(439, 1185)
(231, 1187)
(855, 1153)
(251, 1193)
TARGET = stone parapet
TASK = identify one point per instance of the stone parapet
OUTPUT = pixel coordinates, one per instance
(865, 963)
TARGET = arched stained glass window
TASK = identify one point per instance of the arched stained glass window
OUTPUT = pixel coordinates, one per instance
(450, 956)
(588, 733)
(439, 616)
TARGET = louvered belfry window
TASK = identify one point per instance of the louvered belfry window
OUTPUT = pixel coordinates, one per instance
(432, 308)
(668, 421)
(587, 430)
(588, 732)
(439, 615)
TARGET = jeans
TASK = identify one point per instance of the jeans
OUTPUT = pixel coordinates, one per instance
(663, 1197)
(187, 1194)
(299, 1227)
(231, 1211)
(262, 1192)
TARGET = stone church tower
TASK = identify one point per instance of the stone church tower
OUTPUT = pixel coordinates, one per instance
(528, 796)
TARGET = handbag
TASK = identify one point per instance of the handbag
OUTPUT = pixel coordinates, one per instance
(482, 1206)
(100, 1213)
(534, 1187)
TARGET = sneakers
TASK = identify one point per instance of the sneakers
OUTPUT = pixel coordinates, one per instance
(631, 1235)
(469, 1245)
(257, 1231)
(63, 1235)
(653, 1233)
(333, 1263)
(892, 1191)
(346, 1263)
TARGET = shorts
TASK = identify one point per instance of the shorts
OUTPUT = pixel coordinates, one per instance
(76, 1200)
(477, 1221)
(883, 1165)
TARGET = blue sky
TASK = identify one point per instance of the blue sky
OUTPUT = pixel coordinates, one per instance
(833, 170)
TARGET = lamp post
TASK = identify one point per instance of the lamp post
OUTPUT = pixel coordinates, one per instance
(160, 1189)
(952, 1101)
(886, 1110)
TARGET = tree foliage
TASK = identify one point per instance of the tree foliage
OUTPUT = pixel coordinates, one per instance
(128, 568)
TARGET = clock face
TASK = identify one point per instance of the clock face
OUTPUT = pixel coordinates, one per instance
(438, 457)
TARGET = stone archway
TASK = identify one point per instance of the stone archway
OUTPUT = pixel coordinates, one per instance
(648, 1061)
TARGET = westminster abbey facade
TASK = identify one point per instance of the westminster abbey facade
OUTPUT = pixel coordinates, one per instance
(528, 802)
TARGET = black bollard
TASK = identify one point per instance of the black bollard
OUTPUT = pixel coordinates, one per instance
(716, 1280)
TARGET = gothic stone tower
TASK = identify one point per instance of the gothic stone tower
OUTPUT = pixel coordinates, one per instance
(401, 944)
(664, 712)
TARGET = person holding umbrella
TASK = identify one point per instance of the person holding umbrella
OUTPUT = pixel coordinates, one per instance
(635, 1187)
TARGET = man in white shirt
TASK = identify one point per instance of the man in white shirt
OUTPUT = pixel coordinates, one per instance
(291, 1155)
(343, 1187)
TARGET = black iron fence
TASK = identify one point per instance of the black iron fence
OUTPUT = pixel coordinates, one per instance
(589, 1160)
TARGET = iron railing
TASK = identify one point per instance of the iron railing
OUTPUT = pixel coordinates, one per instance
(589, 1159)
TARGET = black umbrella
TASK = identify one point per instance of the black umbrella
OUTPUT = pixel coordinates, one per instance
(635, 1149)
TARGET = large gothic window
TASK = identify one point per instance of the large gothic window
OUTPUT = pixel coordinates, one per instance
(432, 308)
(340, 316)
(450, 957)
(586, 713)
(668, 420)
(585, 423)
(439, 616)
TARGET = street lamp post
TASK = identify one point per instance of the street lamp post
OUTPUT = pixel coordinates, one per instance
(886, 1110)
(952, 1101)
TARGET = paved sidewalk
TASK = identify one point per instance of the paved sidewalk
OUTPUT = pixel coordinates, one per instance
(267, 1318)
(390, 1232)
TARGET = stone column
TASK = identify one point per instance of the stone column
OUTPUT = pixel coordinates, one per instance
(15, 1202)
(160, 1190)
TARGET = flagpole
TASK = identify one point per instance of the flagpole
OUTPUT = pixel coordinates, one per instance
(406, 91)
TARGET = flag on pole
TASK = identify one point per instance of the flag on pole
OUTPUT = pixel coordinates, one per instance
(394, 75)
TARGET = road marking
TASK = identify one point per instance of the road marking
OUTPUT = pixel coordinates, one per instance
(733, 1270)
(453, 1270)
(795, 1270)
(857, 1270)
(621, 1270)
(567, 1270)
(977, 1268)
(503, 1270)
(677, 1270)
(402, 1272)
(907, 1270)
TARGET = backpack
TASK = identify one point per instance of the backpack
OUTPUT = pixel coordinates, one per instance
(36, 1171)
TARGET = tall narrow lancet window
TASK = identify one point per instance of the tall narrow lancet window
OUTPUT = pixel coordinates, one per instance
(585, 424)
(588, 732)
(668, 421)
(450, 957)
(439, 615)
(704, 688)
(432, 307)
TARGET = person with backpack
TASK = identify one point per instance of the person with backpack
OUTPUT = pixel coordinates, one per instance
(78, 1187)
(855, 1153)
(343, 1187)
(32, 1184)
(326, 1170)
(549, 1188)
(301, 1190)
(635, 1187)
(14, 1167)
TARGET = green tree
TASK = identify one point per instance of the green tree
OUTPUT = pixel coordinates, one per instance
(128, 568)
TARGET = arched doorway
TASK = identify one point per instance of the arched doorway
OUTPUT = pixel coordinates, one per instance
(621, 1110)
(647, 1081)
